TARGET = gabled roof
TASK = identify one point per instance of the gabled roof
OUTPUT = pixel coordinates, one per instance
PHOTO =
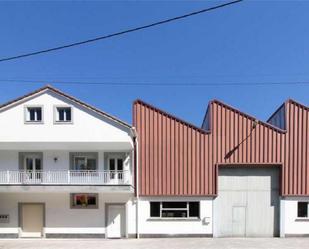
(138, 101)
(248, 116)
(73, 99)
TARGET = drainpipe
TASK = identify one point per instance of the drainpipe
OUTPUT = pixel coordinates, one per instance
(135, 144)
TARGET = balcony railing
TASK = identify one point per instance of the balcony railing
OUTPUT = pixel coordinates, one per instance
(69, 177)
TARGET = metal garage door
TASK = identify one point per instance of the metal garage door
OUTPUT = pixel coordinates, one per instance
(248, 202)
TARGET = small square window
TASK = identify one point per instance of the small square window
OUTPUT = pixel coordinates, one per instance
(302, 209)
(34, 114)
(86, 201)
(63, 114)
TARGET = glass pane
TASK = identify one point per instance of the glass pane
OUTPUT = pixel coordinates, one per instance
(91, 164)
(32, 114)
(68, 114)
(39, 114)
(38, 164)
(92, 200)
(119, 164)
(302, 209)
(111, 164)
(61, 114)
(79, 163)
(174, 204)
(194, 209)
(154, 209)
(29, 164)
(174, 213)
(80, 200)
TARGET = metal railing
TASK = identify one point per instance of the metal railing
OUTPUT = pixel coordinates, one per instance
(70, 177)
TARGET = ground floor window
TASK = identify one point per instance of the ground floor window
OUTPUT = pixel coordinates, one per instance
(302, 209)
(86, 201)
(175, 209)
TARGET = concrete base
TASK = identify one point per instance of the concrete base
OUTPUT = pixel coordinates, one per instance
(74, 235)
(175, 235)
(8, 235)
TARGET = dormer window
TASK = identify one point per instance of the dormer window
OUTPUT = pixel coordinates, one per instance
(63, 114)
(33, 114)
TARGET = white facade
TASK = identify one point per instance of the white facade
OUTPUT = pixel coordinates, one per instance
(291, 224)
(42, 168)
(157, 227)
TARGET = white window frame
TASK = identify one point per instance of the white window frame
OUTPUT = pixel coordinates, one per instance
(85, 157)
(176, 209)
(56, 114)
(27, 115)
(307, 217)
(115, 157)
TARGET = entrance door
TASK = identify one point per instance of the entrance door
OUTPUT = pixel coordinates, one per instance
(239, 221)
(32, 168)
(115, 221)
(247, 204)
(31, 219)
(115, 165)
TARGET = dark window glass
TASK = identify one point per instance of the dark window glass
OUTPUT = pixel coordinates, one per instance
(91, 164)
(64, 114)
(119, 164)
(194, 209)
(174, 213)
(111, 164)
(92, 200)
(174, 204)
(154, 209)
(35, 114)
(302, 209)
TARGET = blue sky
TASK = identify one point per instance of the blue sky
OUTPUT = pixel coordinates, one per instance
(251, 42)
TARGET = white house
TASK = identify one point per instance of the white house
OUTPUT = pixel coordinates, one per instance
(66, 169)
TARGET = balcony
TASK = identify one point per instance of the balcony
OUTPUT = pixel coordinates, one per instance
(69, 177)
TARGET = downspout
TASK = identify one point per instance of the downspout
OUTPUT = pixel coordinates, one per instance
(135, 144)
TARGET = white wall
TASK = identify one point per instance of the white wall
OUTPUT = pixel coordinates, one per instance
(170, 227)
(60, 218)
(87, 126)
(293, 225)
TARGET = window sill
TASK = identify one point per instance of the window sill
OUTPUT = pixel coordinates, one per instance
(34, 122)
(173, 219)
(302, 219)
(63, 122)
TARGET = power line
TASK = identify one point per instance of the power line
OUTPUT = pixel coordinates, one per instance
(161, 84)
(119, 33)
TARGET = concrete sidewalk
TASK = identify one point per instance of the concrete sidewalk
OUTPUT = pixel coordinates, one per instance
(179, 243)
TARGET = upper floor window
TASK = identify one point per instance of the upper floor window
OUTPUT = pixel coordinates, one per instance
(34, 114)
(63, 114)
(302, 209)
(81, 161)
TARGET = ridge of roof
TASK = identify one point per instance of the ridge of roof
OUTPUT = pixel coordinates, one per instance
(247, 115)
(139, 101)
(59, 92)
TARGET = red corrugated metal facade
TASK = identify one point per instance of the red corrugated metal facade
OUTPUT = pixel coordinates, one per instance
(177, 158)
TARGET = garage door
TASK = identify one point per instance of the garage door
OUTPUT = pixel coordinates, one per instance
(248, 202)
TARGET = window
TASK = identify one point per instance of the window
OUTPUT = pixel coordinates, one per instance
(33, 114)
(174, 209)
(84, 163)
(86, 201)
(63, 114)
(302, 209)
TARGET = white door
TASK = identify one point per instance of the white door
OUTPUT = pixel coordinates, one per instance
(32, 168)
(116, 221)
(32, 216)
(115, 166)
